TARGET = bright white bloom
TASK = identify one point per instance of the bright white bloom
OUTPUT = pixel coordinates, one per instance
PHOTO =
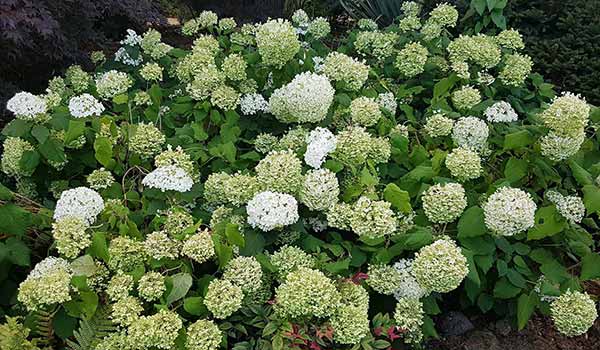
(509, 211)
(270, 210)
(124, 57)
(26, 106)
(558, 148)
(470, 132)
(253, 103)
(570, 207)
(85, 105)
(81, 202)
(169, 178)
(131, 39)
(409, 287)
(306, 99)
(501, 112)
(388, 102)
(320, 142)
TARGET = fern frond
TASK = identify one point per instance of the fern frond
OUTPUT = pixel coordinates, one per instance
(91, 331)
(42, 329)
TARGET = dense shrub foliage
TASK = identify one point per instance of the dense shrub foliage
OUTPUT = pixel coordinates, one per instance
(261, 190)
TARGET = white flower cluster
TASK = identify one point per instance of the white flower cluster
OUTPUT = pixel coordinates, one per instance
(306, 99)
(570, 207)
(408, 286)
(80, 202)
(253, 103)
(270, 210)
(84, 106)
(501, 112)
(509, 211)
(471, 133)
(320, 142)
(387, 101)
(26, 105)
(169, 178)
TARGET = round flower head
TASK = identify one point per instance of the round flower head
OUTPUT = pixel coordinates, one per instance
(372, 219)
(437, 125)
(501, 112)
(48, 283)
(277, 42)
(84, 106)
(280, 171)
(408, 287)
(306, 99)
(151, 286)
(71, 236)
(125, 254)
(567, 115)
(376, 44)
(409, 23)
(126, 311)
(294, 140)
(345, 69)
(510, 39)
(573, 313)
(516, 68)
(203, 335)
(79, 202)
(169, 178)
(339, 215)
(300, 18)
(558, 148)
(509, 211)
(411, 60)
(227, 24)
(215, 187)
(234, 67)
(466, 98)
(367, 24)
(444, 15)
(26, 106)
(240, 188)
(225, 97)
(444, 203)
(147, 140)
(206, 80)
(151, 72)
(320, 142)
(113, 83)
(119, 287)
(319, 28)
(13, 150)
(384, 279)
(223, 298)
(365, 111)
(199, 247)
(245, 272)
(571, 208)
(253, 103)
(320, 189)
(440, 267)
(350, 324)
(77, 78)
(100, 179)
(387, 102)
(480, 50)
(272, 210)
(353, 146)
(176, 157)
(290, 258)
(471, 133)
(158, 246)
(464, 164)
(306, 293)
(207, 19)
(156, 331)
(409, 316)
(353, 294)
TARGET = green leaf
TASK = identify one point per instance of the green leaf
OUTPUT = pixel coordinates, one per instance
(103, 151)
(84, 266)
(155, 94)
(548, 222)
(441, 88)
(120, 99)
(516, 278)
(29, 161)
(591, 198)
(63, 324)
(518, 140)
(498, 18)
(16, 128)
(182, 282)
(491, 4)
(40, 133)
(525, 306)
(515, 169)
(254, 243)
(233, 235)
(471, 223)
(582, 176)
(479, 6)
(14, 220)
(199, 133)
(399, 198)
(5, 193)
(99, 248)
(590, 268)
(76, 129)
(18, 252)
(337, 266)
(53, 150)
(195, 306)
(505, 290)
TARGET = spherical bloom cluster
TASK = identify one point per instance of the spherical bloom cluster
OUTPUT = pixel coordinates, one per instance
(384, 279)
(437, 125)
(13, 150)
(79, 202)
(158, 246)
(320, 189)
(408, 287)
(320, 142)
(306, 99)
(567, 115)
(570, 207)
(372, 219)
(387, 102)
(365, 111)
(190, 28)
(199, 247)
(126, 311)
(353, 294)
(480, 49)
(306, 293)
(294, 139)
(119, 287)
(355, 146)
(244, 272)
(113, 83)
(557, 147)
(290, 258)
(501, 112)
(573, 313)
(443, 15)
(48, 283)
(151, 72)
(234, 67)
(280, 171)
(207, 19)
(300, 18)
(199, 66)
(147, 140)
(225, 97)
(464, 164)
(345, 69)
(227, 24)
(471, 133)
(409, 23)
(277, 42)
(409, 317)
(240, 188)
(70, 235)
(319, 28)
(411, 59)
(350, 324)
(151, 286)
(214, 188)
(251, 104)
(466, 98)
(169, 178)
(443, 203)
(156, 331)
(376, 44)
(223, 298)
(509, 211)
(205, 82)
(510, 39)
(176, 157)
(77, 78)
(367, 24)
(100, 179)
(203, 335)
(177, 221)
(339, 216)
(271, 210)
(26, 106)
(516, 68)
(440, 267)
(125, 254)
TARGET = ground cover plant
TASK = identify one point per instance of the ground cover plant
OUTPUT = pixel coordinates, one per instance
(263, 190)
